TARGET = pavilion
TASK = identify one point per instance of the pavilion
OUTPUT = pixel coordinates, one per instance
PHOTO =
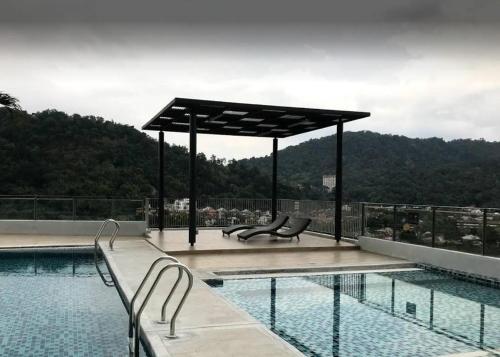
(195, 116)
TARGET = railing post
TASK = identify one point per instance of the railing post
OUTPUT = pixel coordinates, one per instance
(433, 229)
(74, 208)
(35, 208)
(483, 238)
(394, 213)
(112, 208)
(362, 218)
(146, 211)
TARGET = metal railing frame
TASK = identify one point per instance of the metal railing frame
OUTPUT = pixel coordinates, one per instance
(107, 282)
(480, 219)
(137, 320)
(36, 213)
(138, 291)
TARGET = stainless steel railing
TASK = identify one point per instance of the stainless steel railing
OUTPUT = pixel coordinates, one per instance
(107, 282)
(135, 319)
(138, 291)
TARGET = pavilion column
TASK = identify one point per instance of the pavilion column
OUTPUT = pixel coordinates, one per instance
(192, 179)
(338, 184)
(161, 182)
(274, 192)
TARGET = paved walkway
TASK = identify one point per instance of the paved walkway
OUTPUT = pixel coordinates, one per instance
(208, 325)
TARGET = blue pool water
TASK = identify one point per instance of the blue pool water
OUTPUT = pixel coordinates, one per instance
(55, 304)
(404, 313)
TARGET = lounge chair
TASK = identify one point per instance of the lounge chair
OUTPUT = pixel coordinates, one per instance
(273, 227)
(236, 227)
(296, 226)
(280, 221)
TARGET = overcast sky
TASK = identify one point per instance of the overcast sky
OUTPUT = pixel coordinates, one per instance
(422, 68)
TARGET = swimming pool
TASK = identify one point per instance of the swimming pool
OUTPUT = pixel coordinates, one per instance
(399, 313)
(53, 303)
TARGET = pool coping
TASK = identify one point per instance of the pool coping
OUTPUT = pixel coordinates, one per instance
(152, 336)
(49, 248)
(151, 343)
(317, 269)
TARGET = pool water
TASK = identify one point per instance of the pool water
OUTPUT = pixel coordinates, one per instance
(53, 303)
(400, 313)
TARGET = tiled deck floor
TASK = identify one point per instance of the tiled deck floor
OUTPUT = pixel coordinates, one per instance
(212, 241)
(271, 261)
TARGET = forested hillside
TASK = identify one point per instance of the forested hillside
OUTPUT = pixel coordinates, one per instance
(389, 168)
(52, 153)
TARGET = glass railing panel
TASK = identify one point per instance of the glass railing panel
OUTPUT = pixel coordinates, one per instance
(54, 209)
(492, 233)
(17, 208)
(322, 213)
(127, 210)
(379, 221)
(414, 224)
(459, 228)
(351, 220)
(93, 209)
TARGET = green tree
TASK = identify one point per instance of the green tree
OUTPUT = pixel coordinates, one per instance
(9, 101)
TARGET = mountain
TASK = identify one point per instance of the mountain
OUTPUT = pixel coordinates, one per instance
(53, 153)
(395, 169)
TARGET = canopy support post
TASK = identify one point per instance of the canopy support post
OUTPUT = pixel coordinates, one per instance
(338, 183)
(161, 182)
(274, 193)
(192, 179)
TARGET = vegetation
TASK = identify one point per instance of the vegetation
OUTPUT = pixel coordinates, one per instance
(52, 153)
(395, 169)
(9, 101)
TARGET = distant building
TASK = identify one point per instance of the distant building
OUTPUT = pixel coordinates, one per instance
(329, 182)
(181, 205)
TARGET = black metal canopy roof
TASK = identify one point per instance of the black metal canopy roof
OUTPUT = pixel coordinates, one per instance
(226, 118)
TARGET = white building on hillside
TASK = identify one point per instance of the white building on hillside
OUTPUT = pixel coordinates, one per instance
(181, 205)
(329, 182)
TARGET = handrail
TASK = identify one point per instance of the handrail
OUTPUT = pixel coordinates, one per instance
(134, 298)
(113, 236)
(164, 307)
(96, 248)
(179, 266)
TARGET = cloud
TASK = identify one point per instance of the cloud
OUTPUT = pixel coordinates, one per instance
(423, 68)
(237, 12)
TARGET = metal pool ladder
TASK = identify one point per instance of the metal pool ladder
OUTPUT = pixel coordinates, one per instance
(134, 327)
(107, 282)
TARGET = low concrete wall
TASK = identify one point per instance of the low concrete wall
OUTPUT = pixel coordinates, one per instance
(448, 259)
(72, 228)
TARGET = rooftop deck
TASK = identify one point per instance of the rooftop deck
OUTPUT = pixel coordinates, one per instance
(211, 241)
